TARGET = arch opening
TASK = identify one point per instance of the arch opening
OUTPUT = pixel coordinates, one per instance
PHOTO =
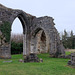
(39, 42)
(22, 33)
(17, 37)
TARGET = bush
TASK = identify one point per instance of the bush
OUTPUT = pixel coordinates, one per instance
(16, 48)
(16, 43)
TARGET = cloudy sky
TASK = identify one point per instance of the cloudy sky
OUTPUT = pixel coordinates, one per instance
(63, 11)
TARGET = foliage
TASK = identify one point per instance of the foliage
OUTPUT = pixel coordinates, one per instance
(5, 29)
(16, 48)
(50, 66)
(16, 43)
(68, 40)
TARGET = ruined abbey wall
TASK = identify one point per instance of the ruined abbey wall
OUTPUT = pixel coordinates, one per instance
(31, 27)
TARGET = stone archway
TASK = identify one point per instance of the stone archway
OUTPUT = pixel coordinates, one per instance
(5, 30)
(21, 17)
(16, 37)
(53, 42)
(39, 41)
(31, 26)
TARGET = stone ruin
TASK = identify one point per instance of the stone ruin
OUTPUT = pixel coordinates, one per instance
(72, 61)
(39, 34)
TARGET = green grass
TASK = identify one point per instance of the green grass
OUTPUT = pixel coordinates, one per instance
(50, 66)
(68, 53)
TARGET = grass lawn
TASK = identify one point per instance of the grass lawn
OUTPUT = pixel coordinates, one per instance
(69, 51)
(50, 66)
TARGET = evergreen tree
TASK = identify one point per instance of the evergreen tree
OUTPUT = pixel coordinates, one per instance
(64, 38)
(71, 34)
(68, 40)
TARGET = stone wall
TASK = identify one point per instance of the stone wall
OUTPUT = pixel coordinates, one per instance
(72, 61)
(7, 17)
(41, 42)
(31, 26)
(46, 24)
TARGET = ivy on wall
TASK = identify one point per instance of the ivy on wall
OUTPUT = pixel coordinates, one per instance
(5, 29)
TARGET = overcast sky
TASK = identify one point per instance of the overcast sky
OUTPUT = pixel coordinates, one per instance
(63, 11)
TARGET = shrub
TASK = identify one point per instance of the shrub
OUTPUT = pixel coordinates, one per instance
(16, 44)
(16, 48)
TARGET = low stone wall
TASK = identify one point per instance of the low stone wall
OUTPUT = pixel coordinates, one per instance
(72, 61)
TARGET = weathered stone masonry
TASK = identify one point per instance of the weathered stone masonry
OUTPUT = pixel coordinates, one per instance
(72, 61)
(31, 26)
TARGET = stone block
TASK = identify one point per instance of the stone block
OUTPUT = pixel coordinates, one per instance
(73, 58)
(41, 60)
(21, 60)
(73, 54)
(69, 62)
(72, 61)
(31, 58)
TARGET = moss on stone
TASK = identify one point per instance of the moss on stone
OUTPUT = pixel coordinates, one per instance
(5, 29)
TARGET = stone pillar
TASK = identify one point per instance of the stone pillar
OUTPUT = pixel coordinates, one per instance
(5, 48)
(35, 48)
(24, 45)
(47, 44)
(32, 45)
(5, 52)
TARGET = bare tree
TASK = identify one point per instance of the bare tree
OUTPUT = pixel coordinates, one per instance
(17, 38)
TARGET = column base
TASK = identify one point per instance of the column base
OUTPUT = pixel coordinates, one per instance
(31, 58)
